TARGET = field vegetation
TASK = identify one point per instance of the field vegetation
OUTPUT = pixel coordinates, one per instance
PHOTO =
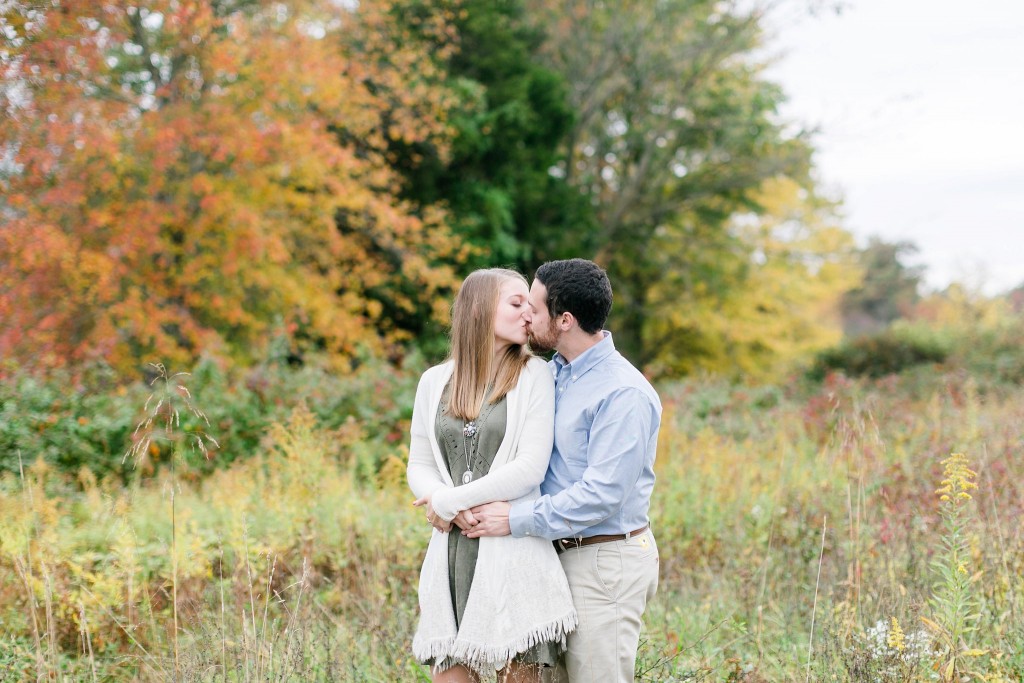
(279, 200)
(809, 531)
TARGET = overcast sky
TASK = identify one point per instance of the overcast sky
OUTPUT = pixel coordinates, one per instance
(920, 106)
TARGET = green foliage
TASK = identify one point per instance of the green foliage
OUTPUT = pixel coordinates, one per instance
(677, 137)
(979, 336)
(984, 332)
(510, 116)
(64, 424)
(892, 351)
(997, 353)
(89, 424)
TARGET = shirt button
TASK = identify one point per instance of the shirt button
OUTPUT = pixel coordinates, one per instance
(574, 378)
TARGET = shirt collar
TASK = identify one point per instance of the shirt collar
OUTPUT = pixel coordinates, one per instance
(589, 358)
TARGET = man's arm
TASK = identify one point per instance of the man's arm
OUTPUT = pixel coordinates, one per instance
(491, 520)
(616, 455)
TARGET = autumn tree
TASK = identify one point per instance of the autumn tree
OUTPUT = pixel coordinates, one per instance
(677, 132)
(754, 304)
(185, 177)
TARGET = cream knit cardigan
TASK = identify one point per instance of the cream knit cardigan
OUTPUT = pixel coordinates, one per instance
(520, 595)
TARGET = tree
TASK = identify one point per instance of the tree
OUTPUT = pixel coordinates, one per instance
(194, 177)
(509, 118)
(676, 133)
(759, 301)
(888, 291)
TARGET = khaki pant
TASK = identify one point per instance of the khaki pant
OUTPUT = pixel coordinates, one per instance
(611, 584)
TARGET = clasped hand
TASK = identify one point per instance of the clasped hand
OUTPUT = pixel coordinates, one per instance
(465, 520)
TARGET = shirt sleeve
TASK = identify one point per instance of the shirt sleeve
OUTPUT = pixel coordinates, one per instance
(422, 472)
(526, 470)
(616, 455)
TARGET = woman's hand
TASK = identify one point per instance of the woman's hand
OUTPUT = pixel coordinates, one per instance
(492, 520)
(465, 520)
(432, 516)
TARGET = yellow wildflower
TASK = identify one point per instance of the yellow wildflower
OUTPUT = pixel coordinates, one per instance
(896, 639)
(958, 479)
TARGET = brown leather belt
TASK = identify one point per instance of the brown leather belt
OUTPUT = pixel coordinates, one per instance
(563, 544)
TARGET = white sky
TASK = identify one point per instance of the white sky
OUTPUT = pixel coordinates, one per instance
(920, 108)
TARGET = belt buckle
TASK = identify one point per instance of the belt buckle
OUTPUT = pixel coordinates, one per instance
(565, 543)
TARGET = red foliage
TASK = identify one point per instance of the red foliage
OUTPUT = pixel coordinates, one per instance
(189, 182)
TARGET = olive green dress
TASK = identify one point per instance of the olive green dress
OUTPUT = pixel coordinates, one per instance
(474, 453)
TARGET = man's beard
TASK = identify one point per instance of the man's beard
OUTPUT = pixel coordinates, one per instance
(546, 345)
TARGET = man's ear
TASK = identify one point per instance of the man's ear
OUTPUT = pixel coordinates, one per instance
(566, 321)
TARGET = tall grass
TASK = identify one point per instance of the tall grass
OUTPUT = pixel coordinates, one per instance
(300, 562)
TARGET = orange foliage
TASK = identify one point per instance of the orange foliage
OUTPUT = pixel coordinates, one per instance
(191, 181)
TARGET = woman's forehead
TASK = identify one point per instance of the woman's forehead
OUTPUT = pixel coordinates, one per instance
(513, 286)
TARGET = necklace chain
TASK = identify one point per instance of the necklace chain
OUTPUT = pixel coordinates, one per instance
(471, 436)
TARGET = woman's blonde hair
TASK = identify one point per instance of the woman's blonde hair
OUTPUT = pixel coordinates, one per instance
(472, 344)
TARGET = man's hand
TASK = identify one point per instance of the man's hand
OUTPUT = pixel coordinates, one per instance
(432, 517)
(491, 520)
(465, 520)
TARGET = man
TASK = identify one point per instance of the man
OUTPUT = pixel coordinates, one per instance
(597, 491)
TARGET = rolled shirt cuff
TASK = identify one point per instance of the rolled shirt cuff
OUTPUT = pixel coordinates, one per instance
(520, 519)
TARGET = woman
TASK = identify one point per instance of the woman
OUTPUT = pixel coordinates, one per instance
(482, 429)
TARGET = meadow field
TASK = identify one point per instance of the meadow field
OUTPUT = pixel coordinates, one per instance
(281, 199)
(808, 531)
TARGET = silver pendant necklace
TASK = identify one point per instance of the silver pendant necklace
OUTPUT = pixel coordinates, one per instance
(470, 434)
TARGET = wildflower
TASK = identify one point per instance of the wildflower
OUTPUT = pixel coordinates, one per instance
(958, 479)
(896, 639)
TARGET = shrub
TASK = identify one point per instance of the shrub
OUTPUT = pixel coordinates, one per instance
(88, 423)
(898, 348)
(995, 352)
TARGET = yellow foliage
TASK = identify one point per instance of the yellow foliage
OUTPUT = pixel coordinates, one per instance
(781, 303)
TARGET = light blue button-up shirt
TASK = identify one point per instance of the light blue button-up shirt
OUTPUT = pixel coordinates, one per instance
(601, 474)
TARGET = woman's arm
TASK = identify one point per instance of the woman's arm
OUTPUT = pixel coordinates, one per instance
(422, 472)
(530, 463)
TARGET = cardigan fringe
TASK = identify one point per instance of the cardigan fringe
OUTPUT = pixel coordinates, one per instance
(484, 657)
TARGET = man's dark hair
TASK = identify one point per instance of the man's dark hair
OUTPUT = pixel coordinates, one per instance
(580, 287)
